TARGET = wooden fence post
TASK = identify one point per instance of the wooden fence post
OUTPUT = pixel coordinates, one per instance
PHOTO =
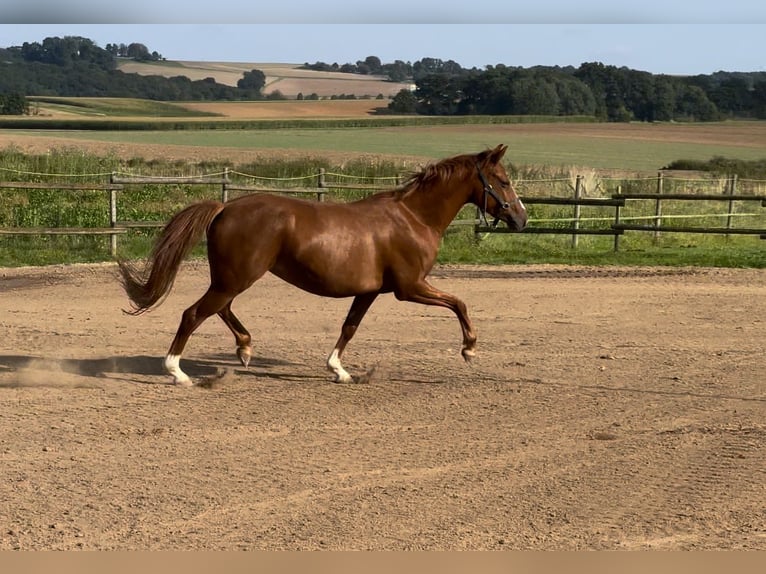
(224, 185)
(658, 206)
(576, 222)
(732, 191)
(617, 221)
(321, 183)
(112, 216)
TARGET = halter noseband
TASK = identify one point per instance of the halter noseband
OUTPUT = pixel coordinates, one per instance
(488, 190)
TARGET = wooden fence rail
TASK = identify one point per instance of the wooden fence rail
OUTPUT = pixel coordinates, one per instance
(615, 203)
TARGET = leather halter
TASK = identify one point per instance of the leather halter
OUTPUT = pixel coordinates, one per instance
(488, 190)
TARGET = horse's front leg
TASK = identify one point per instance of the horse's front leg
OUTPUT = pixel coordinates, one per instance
(355, 314)
(426, 294)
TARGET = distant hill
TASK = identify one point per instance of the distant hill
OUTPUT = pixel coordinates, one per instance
(75, 67)
(288, 79)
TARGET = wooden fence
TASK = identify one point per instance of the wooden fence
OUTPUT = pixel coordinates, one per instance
(618, 200)
(226, 187)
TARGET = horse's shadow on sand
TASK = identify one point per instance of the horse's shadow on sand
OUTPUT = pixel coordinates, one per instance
(26, 371)
(132, 369)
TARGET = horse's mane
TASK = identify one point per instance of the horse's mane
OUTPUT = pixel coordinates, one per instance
(434, 173)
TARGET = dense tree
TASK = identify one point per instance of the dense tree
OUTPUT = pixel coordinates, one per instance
(488, 92)
(398, 71)
(759, 99)
(404, 102)
(252, 80)
(732, 96)
(638, 94)
(575, 98)
(13, 104)
(320, 67)
(534, 96)
(438, 94)
(693, 104)
(371, 64)
(593, 75)
(138, 51)
(275, 95)
(666, 91)
(502, 90)
(66, 51)
(606, 83)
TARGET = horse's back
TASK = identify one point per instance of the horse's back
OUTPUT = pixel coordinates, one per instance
(310, 217)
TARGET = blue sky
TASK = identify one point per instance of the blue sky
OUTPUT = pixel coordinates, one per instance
(655, 36)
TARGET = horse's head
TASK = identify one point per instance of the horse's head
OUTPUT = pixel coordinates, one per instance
(495, 193)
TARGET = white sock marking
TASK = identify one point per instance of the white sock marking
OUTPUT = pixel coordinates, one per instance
(172, 366)
(333, 363)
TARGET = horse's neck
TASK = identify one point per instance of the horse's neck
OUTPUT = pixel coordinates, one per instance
(438, 206)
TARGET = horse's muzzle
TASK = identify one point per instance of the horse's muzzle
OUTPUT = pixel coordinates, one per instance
(515, 217)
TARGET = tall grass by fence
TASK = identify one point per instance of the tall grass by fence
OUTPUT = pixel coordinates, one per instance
(120, 205)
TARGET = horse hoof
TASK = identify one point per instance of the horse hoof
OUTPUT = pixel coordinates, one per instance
(183, 382)
(244, 354)
(344, 378)
(468, 354)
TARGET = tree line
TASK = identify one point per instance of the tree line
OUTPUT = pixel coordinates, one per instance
(77, 67)
(397, 71)
(608, 93)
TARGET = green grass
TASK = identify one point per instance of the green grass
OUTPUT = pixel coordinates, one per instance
(636, 248)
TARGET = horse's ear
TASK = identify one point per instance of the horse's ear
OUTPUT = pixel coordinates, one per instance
(498, 153)
(493, 155)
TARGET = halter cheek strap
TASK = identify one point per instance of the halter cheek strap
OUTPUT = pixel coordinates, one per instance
(489, 191)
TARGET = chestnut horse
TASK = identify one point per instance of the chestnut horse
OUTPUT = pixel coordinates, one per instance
(384, 243)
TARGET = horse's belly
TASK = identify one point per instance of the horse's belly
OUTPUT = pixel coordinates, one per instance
(330, 279)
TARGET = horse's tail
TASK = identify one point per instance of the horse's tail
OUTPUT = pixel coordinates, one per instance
(148, 287)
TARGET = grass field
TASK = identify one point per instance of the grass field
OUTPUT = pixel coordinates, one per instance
(624, 148)
(631, 148)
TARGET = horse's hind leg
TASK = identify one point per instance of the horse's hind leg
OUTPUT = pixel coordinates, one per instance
(210, 303)
(241, 335)
(355, 314)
